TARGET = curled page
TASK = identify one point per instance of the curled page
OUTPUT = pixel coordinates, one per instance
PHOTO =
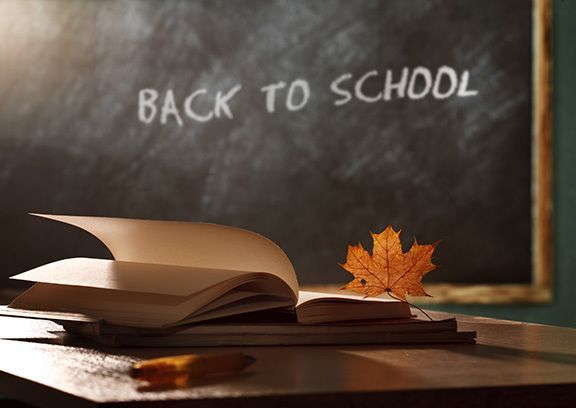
(189, 244)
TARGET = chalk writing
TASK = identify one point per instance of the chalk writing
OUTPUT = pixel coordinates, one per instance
(410, 83)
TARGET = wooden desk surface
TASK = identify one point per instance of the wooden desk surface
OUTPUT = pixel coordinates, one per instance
(512, 364)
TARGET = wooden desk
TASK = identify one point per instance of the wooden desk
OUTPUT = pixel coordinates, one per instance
(513, 365)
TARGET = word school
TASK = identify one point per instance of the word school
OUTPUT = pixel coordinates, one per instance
(414, 84)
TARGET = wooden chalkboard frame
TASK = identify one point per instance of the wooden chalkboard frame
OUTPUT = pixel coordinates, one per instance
(540, 289)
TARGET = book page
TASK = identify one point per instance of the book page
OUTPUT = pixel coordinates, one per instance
(128, 276)
(139, 309)
(307, 296)
(315, 307)
(187, 244)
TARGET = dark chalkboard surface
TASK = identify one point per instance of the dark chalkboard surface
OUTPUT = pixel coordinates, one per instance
(311, 122)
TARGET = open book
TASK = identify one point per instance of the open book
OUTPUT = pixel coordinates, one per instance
(168, 274)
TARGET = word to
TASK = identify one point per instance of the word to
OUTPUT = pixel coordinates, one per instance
(413, 84)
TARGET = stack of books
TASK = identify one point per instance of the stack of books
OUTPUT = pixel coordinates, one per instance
(195, 284)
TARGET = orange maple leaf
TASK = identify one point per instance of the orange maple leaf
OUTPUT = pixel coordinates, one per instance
(388, 269)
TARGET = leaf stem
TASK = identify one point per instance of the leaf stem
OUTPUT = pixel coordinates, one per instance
(410, 304)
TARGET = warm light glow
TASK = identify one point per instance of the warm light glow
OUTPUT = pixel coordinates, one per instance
(27, 30)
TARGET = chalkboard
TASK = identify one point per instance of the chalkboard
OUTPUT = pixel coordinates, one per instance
(310, 122)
